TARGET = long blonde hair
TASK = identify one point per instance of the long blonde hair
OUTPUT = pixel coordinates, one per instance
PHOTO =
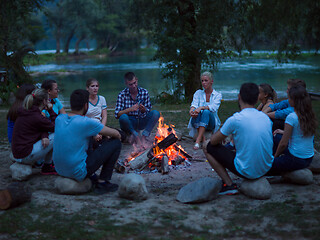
(35, 98)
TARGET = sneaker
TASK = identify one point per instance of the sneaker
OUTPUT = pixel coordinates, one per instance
(48, 169)
(94, 178)
(105, 187)
(229, 190)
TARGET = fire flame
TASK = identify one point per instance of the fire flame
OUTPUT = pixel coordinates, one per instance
(173, 151)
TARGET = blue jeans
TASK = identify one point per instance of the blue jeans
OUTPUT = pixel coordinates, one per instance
(132, 124)
(204, 119)
(286, 162)
(106, 156)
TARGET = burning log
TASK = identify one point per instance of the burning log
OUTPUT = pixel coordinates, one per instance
(182, 152)
(119, 167)
(143, 158)
(164, 165)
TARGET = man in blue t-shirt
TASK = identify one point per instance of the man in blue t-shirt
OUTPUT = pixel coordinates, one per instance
(252, 137)
(72, 134)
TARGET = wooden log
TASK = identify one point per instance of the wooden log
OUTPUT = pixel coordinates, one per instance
(139, 161)
(119, 167)
(14, 195)
(164, 165)
(177, 148)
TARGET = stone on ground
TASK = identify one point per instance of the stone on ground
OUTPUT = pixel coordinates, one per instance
(302, 176)
(257, 188)
(20, 172)
(133, 187)
(70, 186)
(315, 164)
(203, 190)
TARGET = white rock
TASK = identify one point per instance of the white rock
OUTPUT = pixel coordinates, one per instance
(70, 186)
(315, 164)
(20, 172)
(257, 189)
(133, 187)
(302, 176)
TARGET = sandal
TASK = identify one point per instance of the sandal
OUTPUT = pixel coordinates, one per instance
(196, 146)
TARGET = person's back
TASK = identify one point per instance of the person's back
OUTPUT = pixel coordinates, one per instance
(252, 141)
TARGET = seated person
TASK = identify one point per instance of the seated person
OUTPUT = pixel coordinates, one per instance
(204, 109)
(51, 87)
(294, 149)
(72, 134)
(97, 107)
(133, 109)
(252, 136)
(31, 141)
(266, 97)
(279, 111)
(12, 115)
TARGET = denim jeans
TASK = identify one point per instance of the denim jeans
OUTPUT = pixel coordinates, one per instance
(39, 153)
(106, 156)
(132, 124)
(204, 119)
(286, 162)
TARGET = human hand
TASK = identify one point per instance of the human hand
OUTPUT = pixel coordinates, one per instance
(277, 131)
(142, 108)
(45, 142)
(98, 137)
(134, 107)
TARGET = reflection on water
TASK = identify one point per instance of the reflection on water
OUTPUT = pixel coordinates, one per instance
(228, 78)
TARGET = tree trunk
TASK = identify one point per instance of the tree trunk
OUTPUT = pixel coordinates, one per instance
(67, 44)
(14, 195)
(77, 44)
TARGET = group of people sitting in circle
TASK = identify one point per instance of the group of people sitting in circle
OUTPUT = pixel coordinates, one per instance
(76, 144)
(268, 140)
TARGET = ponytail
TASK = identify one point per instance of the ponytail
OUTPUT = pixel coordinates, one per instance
(35, 98)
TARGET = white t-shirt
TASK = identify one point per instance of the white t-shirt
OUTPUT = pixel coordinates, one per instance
(299, 146)
(95, 111)
(253, 140)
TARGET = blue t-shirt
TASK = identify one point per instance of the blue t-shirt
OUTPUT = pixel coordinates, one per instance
(70, 145)
(299, 146)
(253, 140)
(282, 109)
(56, 107)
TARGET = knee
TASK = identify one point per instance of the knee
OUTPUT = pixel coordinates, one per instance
(155, 114)
(124, 118)
(206, 112)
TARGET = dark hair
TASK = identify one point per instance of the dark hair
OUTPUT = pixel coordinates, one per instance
(271, 93)
(78, 99)
(47, 84)
(249, 93)
(292, 82)
(22, 92)
(129, 76)
(303, 108)
(90, 81)
(35, 98)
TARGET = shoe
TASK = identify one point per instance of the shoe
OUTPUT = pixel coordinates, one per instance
(196, 146)
(105, 187)
(48, 169)
(229, 190)
(94, 178)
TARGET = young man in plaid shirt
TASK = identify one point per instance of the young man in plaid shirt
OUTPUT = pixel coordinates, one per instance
(133, 109)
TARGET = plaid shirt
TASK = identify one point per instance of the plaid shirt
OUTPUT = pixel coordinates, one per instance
(125, 101)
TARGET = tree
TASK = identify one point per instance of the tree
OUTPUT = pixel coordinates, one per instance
(188, 34)
(19, 31)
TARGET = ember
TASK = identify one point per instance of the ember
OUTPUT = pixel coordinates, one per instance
(162, 154)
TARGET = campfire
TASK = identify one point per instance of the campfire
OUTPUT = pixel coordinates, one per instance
(163, 153)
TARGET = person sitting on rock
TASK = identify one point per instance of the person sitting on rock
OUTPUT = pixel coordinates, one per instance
(293, 147)
(31, 141)
(204, 110)
(133, 109)
(72, 135)
(279, 111)
(252, 136)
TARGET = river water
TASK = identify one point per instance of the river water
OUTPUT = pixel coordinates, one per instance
(227, 79)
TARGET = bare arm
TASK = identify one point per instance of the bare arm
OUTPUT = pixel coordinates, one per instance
(106, 131)
(272, 115)
(217, 138)
(62, 111)
(130, 109)
(104, 116)
(284, 140)
(267, 110)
